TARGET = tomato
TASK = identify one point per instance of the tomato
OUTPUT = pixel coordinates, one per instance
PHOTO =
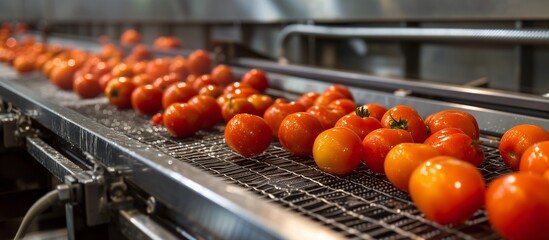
(223, 75)
(147, 99)
(379, 142)
(233, 86)
(181, 120)
(140, 52)
(122, 70)
(308, 99)
(340, 89)
(261, 102)
(406, 118)
(62, 75)
(210, 111)
(256, 79)
(535, 159)
(328, 116)
(158, 68)
(86, 86)
(162, 83)
(202, 81)
(142, 79)
(140, 67)
(199, 62)
(327, 97)
(516, 140)
(245, 92)
(191, 79)
(119, 92)
(338, 151)
(454, 119)
(374, 110)
(235, 106)
(347, 105)
(278, 111)
(211, 90)
(23, 64)
(298, 131)
(360, 125)
(454, 142)
(157, 119)
(447, 190)
(177, 93)
(248, 135)
(180, 65)
(402, 159)
(167, 43)
(104, 80)
(130, 36)
(517, 206)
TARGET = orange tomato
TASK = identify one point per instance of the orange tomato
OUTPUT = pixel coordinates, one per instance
(516, 140)
(122, 70)
(199, 62)
(328, 116)
(62, 76)
(379, 142)
(223, 75)
(130, 36)
(347, 105)
(119, 92)
(147, 99)
(298, 131)
(23, 64)
(248, 135)
(535, 159)
(454, 119)
(374, 110)
(181, 120)
(180, 66)
(86, 86)
(327, 97)
(406, 118)
(235, 106)
(308, 99)
(455, 143)
(402, 159)
(447, 190)
(256, 79)
(261, 102)
(338, 151)
(517, 206)
(278, 111)
(340, 89)
(158, 67)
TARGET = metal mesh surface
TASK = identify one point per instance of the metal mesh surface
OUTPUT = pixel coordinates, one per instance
(362, 205)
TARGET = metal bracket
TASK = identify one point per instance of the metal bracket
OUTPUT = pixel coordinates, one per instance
(14, 126)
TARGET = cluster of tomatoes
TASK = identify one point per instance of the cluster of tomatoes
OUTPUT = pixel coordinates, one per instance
(434, 159)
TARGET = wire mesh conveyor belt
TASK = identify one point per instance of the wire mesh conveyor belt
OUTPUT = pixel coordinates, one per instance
(362, 205)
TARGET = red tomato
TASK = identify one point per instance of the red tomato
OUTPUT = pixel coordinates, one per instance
(373, 110)
(178, 92)
(245, 92)
(157, 119)
(327, 116)
(308, 99)
(536, 158)
(401, 161)
(180, 66)
(379, 142)
(210, 111)
(360, 125)
(211, 90)
(326, 98)
(236, 106)
(278, 111)
(147, 99)
(181, 120)
(347, 105)
(257, 79)
(130, 36)
(23, 64)
(340, 89)
(454, 142)
(122, 70)
(298, 131)
(119, 92)
(447, 190)
(142, 79)
(233, 86)
(62, 75)
(140, 67)
(406, 118)
(202, 81)
(104, 80)
(248, 135)
(454, 119)
(223, 75)
(140, 53)
(517, 206)
(158, 68)
(165, 81)
(86, 86)
(261, 102)
(199, 62)
(337, 151)
(516, 140)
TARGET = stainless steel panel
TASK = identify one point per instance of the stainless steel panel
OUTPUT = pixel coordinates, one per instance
(279, 11)
(51, 159)
(136, 225)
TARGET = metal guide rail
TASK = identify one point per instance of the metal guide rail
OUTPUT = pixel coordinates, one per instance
(363, 205)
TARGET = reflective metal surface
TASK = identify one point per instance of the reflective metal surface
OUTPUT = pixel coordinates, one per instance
(50, 158)
(273, 10)
(136, 225)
